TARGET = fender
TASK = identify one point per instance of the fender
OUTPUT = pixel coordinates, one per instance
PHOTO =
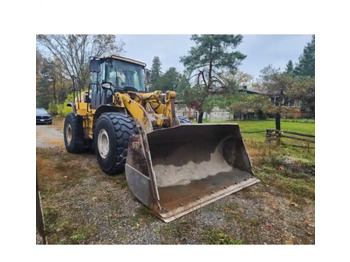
(106, 108)
(70, 104)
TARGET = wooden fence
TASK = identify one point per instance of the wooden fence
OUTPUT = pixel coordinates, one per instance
(273, 134)
(277, 135)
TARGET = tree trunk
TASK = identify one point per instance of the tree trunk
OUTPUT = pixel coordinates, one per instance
(54, 91)
(278, 127)
(200, 118)
(278, 121)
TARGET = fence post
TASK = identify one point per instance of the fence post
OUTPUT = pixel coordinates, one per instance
(267, 135)
(39, 214)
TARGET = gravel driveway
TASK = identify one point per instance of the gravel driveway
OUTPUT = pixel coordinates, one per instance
(47, 136)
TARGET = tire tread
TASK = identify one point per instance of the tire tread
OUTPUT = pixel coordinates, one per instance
(124, 127)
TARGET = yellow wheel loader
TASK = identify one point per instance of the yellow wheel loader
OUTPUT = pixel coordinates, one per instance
(172, 166)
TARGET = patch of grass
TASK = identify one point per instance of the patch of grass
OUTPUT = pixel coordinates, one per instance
(216, 236)
(301, 189)
(121, 181)
(253, 222)
(143, 215)
(169, 233)
(62, 166)
(288, 172)
(295, 159)
(78, 236)
(230, 209)
(82, 234)
(63, 229)
(294, 189)
(233, 211)
(51, 216)
(296, 120)
(175, 230)
(59, 170)
(120, 237)
(70, 232)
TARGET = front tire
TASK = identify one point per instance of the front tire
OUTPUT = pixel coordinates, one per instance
(111, 141)
(74, 133)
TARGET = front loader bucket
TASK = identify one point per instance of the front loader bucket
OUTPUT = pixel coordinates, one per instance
(177, 170)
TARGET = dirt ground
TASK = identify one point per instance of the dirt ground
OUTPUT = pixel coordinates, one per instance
(48, 137)
(82, 205)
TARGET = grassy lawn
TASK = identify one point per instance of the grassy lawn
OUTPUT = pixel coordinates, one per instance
(305, 127)
(301, 127)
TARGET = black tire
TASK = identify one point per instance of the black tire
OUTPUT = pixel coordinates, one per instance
(113, 130)
(73, 133)
(184, 120)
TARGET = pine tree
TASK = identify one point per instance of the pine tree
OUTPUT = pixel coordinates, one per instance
(210, 55)
(306, 65)
(155, 71)
(289, 68)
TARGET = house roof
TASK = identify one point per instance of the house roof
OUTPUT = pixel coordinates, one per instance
(251, 91)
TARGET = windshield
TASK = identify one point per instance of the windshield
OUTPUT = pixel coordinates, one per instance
(40, 111)
(122, 74)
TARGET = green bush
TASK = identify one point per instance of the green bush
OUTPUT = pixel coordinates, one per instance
(53, 108)
(61, 109)
(64, 110)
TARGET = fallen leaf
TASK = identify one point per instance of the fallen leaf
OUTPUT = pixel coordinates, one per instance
(307, 221)
(268, 224)
(292, 204)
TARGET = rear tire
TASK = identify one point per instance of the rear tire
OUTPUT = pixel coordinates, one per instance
(184, 120)
(111, 141)
(74, 133)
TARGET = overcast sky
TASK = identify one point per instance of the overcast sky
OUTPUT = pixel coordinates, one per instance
(261, 50)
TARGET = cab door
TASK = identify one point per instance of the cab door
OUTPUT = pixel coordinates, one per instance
(97, 74)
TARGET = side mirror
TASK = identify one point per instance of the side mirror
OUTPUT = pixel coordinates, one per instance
(94, 66)
(86, 97)
(106, 85)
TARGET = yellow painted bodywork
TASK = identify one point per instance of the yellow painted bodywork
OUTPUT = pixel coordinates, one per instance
(149, 110)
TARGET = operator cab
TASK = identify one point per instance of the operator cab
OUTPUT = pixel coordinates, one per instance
(122, 73)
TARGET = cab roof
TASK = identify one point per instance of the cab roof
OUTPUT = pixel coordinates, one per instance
(123, 59)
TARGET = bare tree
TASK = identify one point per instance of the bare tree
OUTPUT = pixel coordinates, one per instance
(74, 52)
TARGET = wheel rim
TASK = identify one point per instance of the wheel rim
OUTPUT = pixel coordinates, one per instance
(69, 134)
(103, 143)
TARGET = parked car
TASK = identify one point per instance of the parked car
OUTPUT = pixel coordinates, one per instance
(43, 117)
